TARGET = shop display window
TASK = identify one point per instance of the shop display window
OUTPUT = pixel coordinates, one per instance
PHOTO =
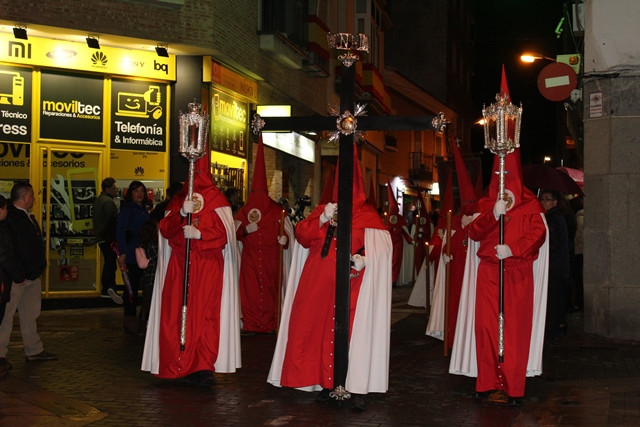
(68, 200)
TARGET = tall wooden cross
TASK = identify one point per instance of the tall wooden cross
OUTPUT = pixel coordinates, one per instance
(346, 124)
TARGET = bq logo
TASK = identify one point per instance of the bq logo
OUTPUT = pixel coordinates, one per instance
(160, 67)
(99, 59)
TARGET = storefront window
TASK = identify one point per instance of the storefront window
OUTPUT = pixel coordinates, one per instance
(70, 185)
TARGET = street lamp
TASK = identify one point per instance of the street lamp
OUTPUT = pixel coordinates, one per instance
(559, 81)
(532, 56)
(571, 59)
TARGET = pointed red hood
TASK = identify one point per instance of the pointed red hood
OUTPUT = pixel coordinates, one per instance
(372, 195)
(468, 198)
(521, 201)
(361, 210)
(447, 202)
(504, 87)
(259, 180)
(359, 196)
(393, 207)
(423, 207)
(479, 190)
(259, 192)
(327, 191)
(202, 183)
(393, 203)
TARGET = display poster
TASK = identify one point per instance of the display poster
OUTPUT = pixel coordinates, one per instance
(71, 107)
(138, 115)
(15, 104)
(138, 165)
(70, 195)
(14, 161)
(229, 121)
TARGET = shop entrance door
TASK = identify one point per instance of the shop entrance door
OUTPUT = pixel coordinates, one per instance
(69, 187)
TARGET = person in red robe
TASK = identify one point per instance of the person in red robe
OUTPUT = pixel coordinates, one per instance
(303, 357)
(453, 254)
(258, 228)
(525, 268)
(396, 224)
(212, 319)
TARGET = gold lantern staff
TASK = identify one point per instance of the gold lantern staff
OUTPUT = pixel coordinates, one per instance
(502, 136)
(194, 130)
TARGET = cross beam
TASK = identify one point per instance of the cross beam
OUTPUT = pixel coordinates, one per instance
(364, 123)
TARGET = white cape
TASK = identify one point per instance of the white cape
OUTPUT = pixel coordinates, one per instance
(406, 276)
(368, 369)
(463, 354)
(229, 357)
(435, 326)
(418, 297)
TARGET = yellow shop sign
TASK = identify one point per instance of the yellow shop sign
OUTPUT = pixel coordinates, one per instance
(69, 55)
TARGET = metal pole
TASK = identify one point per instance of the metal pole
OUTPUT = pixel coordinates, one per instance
(279, 286)
(187, 260)
(501, 270)
(447, 275)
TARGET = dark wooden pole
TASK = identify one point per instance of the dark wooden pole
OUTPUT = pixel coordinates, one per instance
(345, 206)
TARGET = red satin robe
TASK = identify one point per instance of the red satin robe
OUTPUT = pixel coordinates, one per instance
(309, 355)
(259, 270)
(524, 234)
(205, 287)
(459, 243)
(397, 233)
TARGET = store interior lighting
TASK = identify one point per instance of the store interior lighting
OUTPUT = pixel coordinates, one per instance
(20, 33)
(93, 42)
(161, 50)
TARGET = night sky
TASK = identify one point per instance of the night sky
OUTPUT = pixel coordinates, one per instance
(504, 30)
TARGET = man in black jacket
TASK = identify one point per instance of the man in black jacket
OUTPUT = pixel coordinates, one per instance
(105, 218)
(8, 270)
(29, 257)
(559, 265)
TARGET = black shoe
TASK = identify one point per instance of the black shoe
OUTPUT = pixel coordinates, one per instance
(42, 356)
(5, 363)
(516, 402)
(563, 328)
(200, 379)
(482, 395)
(358, 403)
(5, 366)
(323, 395)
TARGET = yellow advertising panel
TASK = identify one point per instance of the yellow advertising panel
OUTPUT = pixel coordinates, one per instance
(139, 165)
(14, 161)
(69, 55)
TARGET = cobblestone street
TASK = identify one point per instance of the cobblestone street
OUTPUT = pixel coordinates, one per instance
(587, 381)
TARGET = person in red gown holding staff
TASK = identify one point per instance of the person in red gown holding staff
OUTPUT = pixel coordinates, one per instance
(213, 319)
(524, 251)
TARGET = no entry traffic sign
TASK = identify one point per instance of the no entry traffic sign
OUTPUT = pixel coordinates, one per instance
(556, 81)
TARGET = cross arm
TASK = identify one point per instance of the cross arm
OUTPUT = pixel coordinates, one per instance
(364, 123)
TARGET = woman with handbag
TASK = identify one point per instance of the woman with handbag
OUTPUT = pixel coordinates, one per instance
(147, 258)
(133, 214)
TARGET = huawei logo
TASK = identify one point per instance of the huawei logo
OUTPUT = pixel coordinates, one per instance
(139, 171)
(99, 59)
